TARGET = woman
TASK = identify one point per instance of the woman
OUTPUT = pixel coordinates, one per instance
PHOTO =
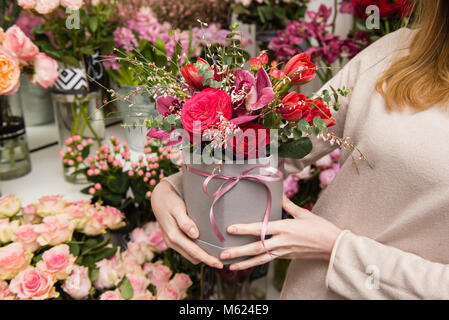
(377, 233)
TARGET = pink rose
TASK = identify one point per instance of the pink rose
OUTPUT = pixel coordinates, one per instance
(139, 283)
(8, 230)
(9, 205)
(57, 261)
(13, 259)
(138, 235)
(33, 284)
(27, 236)
(45, 71)
(27, 4)
(5, 293)
(158, 274)
(206, 107)
(30, 216)
(113, 218)
(18, 44)
(54, 230)
(9, 75)
(51, 205)
(147, 295)
(46, 6)
(72, 4)
(111, 295)
(109, 273)
(182, 281)
(134, 251)
(168, 292)
(326, 177)
(155, 236)
(78, 284)
(95, 225)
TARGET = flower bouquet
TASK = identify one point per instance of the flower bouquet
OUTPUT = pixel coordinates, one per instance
(232, 124)
(18, 55)
(56, 249)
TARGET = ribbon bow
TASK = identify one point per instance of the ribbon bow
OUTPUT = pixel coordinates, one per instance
(230, 182)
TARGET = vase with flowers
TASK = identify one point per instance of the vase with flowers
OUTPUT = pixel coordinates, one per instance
(18, 55)
(75, 33)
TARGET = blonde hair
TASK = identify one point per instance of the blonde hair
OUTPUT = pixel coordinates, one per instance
(420, 80)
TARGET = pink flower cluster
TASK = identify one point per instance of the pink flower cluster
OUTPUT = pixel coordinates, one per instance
(51, 222)
(145, 26)
(48, 6)
(135, 264)
(330, 46)
(328, 167)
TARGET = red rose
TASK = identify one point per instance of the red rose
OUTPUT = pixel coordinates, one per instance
(294, 68)
(294, 107)
(387, 8)
(251, 141)
(206, 106)
(319, 109)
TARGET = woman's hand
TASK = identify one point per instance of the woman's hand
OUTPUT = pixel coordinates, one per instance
(307, 236)
(171, 214)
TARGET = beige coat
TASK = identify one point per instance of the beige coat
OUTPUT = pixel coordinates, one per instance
(396, 216)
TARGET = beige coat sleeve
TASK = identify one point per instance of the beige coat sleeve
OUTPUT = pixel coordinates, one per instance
(361, 268)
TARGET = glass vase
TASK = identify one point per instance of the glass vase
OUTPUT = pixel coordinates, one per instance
(78, 114)
(134, 111)
(14, 154)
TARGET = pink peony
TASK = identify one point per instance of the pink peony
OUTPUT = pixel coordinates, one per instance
(30, 216)
(57, 261)
(9, 204)
(54, 230)
(18, 44)
(5, 293)
(27, 4)
(46, 6)
(33, 284)
(139, 283)
(111, 295)
(78, 284)
(45, 71)
(72, 4)
(182, 281)
(168, 292)
(51, 205)
(27, 236)
(13, 259)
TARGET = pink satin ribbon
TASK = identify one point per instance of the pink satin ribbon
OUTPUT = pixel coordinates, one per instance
(230, 182)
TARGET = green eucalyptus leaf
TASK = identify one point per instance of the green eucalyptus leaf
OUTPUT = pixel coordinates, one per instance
(296, 149)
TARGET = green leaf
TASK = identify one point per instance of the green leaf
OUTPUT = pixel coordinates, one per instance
(93, 23)
(118, 183)
(70, 61)
(302, 125)
(104, 253)
(297, 149)
(160, 57)
(93, 274)
(74, 249)
(126, 289)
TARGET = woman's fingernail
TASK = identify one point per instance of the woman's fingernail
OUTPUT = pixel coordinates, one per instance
(232, 229)
(218, 265)
(192, 232)
(233, 267)
(225, 255)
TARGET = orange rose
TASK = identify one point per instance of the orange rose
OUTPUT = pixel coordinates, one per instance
(2, 35)
(9, 73)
